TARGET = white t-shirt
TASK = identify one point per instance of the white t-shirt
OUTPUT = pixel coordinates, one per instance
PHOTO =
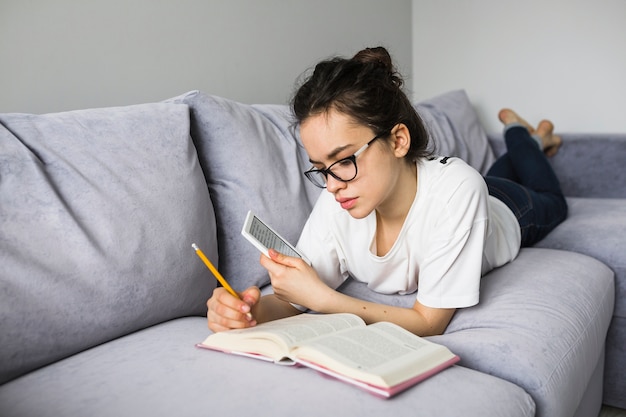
(453, 234)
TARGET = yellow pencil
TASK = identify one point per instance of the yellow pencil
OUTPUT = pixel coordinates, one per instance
(215, 272)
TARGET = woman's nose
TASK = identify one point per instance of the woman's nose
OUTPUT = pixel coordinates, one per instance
(333, 184)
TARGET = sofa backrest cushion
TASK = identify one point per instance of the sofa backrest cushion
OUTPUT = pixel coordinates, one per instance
(252, 160)
(456, 130)
(98, 211)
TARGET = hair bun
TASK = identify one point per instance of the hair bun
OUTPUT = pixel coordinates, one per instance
(377, 55)
(380, 59)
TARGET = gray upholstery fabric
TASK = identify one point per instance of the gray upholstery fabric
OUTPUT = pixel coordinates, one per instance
(588, 165)
(519, 333)
(159, 372)
(98, 210)
(591, 170)
(456, 130)
(252, 161)
(614, 378)
(597, 227)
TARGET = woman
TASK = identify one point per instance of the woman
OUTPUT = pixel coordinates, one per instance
(395, 216)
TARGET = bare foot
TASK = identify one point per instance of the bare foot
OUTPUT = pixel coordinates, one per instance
(508, 116)
(550, 141)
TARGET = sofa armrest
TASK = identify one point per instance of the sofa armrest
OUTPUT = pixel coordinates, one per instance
(588, 165)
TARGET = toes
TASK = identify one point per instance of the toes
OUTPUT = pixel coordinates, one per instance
(545, 127)
(508, 116)
(551, 142)
(554, 147)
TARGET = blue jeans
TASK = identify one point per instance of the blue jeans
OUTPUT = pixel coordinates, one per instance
(523, 179)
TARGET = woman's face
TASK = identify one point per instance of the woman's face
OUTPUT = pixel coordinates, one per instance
(330, 137)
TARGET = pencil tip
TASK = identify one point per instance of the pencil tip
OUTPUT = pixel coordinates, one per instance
(193, 245)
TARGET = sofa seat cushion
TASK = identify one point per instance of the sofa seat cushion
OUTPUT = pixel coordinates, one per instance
(541, 324)
(98, 211)
(597, 227)
(159, 372)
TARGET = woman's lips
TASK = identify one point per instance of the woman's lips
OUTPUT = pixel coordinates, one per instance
(346, 203)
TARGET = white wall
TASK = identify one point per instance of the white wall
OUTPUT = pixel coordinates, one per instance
(68, 54)
(560, 59)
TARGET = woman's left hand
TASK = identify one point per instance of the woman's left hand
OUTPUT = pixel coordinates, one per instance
(295, 281)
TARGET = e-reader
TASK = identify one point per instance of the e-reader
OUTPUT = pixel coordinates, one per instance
(264, 237)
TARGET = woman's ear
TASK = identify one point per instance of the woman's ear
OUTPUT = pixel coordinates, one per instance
(401, 140)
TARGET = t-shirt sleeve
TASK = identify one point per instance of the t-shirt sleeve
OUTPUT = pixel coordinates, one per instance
(450, 273)
(318, 243)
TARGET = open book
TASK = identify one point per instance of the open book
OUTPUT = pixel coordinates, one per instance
(382, 358)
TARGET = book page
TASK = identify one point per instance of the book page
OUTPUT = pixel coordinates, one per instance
(296, 329)
(382, 354)
(274, 339)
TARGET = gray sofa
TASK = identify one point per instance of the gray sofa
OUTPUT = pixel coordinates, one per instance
(102, 298)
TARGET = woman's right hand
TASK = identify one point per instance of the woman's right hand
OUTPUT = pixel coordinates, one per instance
(227, 312)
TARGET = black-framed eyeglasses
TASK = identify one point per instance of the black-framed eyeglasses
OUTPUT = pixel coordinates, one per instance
(343, 170)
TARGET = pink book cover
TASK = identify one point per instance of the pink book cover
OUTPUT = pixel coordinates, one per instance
(379, 391)
(382, 392)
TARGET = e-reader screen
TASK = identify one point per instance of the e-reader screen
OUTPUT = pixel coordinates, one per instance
(264, 237)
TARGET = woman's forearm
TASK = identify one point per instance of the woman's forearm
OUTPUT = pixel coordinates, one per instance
(420, 320)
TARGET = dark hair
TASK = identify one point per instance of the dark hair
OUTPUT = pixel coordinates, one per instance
(367, 88)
